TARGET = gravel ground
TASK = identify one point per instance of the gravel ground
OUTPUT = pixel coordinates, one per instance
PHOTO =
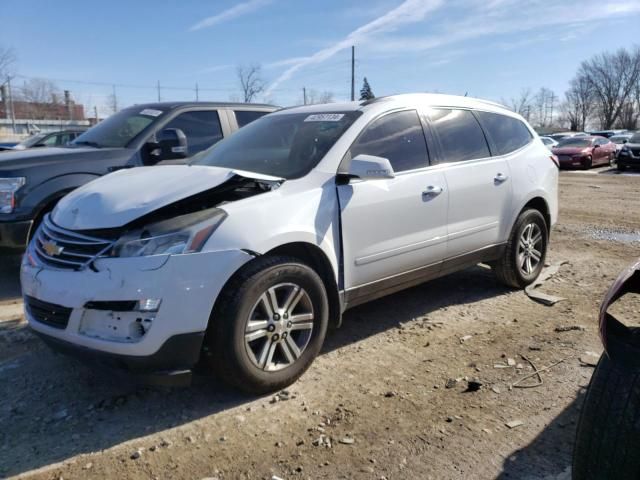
(414, 386)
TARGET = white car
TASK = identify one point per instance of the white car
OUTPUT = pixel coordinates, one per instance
(549, 142)
(238, 262)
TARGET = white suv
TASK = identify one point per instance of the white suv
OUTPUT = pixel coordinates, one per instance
(238, 262)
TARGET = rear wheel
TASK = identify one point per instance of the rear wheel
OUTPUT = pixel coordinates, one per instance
(525, 252)
(268, 325)
(608, 435)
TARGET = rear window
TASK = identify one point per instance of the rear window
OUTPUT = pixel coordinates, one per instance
(244, 117)
(459, 134)
(508, 133)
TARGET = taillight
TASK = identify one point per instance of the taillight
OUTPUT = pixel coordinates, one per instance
(555, 160)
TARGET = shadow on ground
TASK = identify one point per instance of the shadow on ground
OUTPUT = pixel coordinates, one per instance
(548, 456)
(9, 277)
(57, 408)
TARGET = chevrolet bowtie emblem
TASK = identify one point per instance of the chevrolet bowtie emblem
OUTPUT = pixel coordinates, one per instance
(52, 248)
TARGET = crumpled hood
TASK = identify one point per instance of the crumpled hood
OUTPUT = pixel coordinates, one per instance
(119, 198)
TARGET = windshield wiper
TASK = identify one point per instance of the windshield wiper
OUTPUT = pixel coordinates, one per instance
(88, 143)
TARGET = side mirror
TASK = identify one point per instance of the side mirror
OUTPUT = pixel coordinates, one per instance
(370, 167)
(170, 143)
(596, 146)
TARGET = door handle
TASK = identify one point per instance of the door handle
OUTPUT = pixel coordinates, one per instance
(500, 178)
(432, 191)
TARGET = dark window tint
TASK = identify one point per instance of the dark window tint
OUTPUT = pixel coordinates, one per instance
(202, 129)
(397, 137)
(460, 135)
(244, 117)
(507, 133)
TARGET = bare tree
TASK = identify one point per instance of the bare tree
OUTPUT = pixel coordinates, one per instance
(521, 104)
(578, 104)
(544, 103)
(41, 96)
(7, 61)
(250, 81)
(612, 77)
(313, 97)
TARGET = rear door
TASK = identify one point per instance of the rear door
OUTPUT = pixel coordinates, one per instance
(392, 226)
(479, 184)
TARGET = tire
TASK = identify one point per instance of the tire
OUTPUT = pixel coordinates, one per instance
(509, 268)
(608, 434)
(240, 362)
(588, 163)
(622, 168)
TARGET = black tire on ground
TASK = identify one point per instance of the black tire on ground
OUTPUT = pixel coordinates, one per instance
(226, 353)
(622, 168)
(608, 436)
(588, 163)
(507, 268)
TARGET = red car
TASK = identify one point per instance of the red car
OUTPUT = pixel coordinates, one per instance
(585, 152)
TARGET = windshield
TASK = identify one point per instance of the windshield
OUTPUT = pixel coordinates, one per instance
(575, 142)
(119, 129)
(283, 145)
(31, 141)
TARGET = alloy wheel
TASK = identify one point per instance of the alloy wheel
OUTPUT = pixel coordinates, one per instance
(279, 327)
(530, 249)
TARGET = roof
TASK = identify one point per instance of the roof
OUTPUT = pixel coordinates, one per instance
(407, 99)
(174, 105)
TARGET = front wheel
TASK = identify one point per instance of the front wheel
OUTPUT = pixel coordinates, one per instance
(268, 325)
(587, 163)
(525, 252)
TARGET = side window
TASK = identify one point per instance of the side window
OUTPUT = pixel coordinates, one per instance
(244, 117)
(459, 133)
(601, 141)
(507, 133)
(397, 137)
(202, 129)
(50, 142)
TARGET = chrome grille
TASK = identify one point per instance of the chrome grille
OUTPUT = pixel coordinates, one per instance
(62, 248)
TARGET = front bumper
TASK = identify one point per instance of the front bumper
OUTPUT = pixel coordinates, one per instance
(627, 160)
(572, 162)
(14, 235)
(187, 285)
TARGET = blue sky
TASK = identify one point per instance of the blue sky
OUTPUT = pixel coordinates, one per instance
(488, 48)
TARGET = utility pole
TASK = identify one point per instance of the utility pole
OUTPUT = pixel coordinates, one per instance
(158, 90)
(353, 73)
(304, 95)
(13, 112)
(95, 112)
(197, 93)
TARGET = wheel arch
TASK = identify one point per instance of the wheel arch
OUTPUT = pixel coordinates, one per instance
(540, 204)
(316, 258)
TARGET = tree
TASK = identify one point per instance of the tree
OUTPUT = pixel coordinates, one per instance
(41, 96)
(365, 92)
(250, 81)
(7, 60)
(521, 104)
(612, 78)
(314, 97)
(578, 104)
(544, 103)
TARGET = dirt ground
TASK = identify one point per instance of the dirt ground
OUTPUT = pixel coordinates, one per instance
(387, 399)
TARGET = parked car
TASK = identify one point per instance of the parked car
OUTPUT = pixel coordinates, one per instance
(240, 260)
(620, 141)
(136, 136)
(585, 152)
(549, 142)
(629, 155)
(49, 139)
(562, 135)
(606, 133)
(608, 434)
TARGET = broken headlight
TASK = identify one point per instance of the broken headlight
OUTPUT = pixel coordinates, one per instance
(183, 234)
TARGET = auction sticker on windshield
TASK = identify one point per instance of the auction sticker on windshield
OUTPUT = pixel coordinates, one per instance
(324, 117)
(151, 112)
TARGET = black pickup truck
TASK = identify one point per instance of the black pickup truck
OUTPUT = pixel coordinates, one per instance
(32, 181)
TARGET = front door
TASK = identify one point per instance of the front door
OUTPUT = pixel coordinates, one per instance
(393, 226)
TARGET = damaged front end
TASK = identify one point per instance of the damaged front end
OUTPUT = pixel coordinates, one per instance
(129, 290)
(621, 342)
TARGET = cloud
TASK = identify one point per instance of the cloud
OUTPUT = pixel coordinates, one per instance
(409, 11)
(230, 14)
